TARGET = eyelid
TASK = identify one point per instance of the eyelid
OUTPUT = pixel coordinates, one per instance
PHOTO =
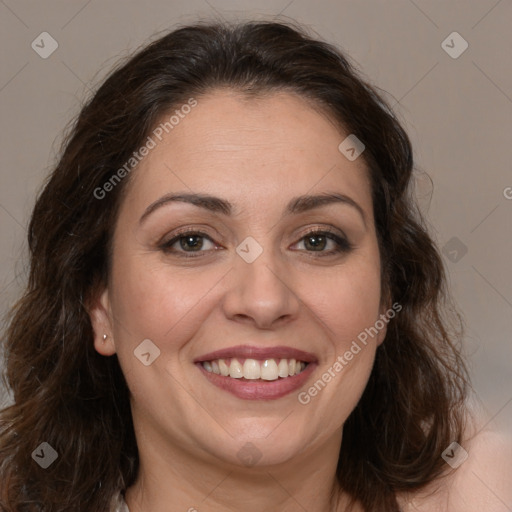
(181, 232)
(343, 245)
(325, 229)
(336, 234)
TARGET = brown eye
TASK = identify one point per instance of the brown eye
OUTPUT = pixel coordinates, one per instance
(194, 242)
(189, 242)
(318, 241)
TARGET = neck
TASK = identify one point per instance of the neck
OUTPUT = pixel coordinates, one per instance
(171, 474)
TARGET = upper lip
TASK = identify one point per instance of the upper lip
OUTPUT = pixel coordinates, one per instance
(254, 352)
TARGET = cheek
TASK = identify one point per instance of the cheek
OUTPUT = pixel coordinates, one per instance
(347, 301)
(162, 305)
(348, 304)
(349, 315)
(158, 302)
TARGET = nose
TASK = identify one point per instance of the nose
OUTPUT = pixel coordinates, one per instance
(262, 293)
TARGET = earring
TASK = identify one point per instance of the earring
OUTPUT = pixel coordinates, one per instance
(105, 337)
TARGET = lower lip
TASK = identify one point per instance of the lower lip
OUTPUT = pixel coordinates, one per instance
(259, 389)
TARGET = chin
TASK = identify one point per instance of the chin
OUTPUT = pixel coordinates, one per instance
(261, 444)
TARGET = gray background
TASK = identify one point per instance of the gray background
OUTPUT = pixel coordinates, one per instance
(458, 112)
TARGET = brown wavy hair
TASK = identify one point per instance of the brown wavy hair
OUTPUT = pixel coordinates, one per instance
(69, 396)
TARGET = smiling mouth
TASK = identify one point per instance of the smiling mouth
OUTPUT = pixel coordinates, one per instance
(255, 369)
(253, 372)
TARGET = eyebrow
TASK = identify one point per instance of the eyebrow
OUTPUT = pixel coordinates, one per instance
(217, 205)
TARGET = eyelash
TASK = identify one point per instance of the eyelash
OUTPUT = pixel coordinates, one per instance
(342, 244)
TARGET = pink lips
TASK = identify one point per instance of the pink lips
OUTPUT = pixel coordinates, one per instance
(259, 389)
(252, 352)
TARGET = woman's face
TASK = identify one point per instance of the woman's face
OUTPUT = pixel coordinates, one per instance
(249, 279)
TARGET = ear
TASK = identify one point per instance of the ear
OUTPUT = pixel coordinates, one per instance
(101, 324)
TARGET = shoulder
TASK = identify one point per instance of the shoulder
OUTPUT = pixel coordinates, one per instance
(482, 481)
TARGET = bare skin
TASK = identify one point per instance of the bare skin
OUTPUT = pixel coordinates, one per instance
(299, 292)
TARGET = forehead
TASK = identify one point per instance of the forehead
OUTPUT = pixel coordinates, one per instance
(263, 149)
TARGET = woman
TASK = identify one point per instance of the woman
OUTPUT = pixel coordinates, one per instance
(233, 304)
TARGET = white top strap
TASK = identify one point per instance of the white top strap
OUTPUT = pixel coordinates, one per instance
(121, 505)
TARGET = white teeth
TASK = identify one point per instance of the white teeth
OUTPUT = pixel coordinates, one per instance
(254, 369)
(215, 367)
(224, 368)
(235, 369)
(282, 368)
(269, 370)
